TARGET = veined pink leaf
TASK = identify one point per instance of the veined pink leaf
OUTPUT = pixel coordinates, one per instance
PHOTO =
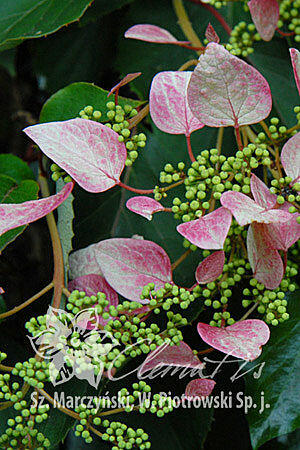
(261, 193)
(84, 262)
(264, 259)
(290, 157)
(88, 151)
(208, 232)
(284, 235)
(265, 15)
(295, 57)
(246, 210)
(144, 206)
(201, 387)
(242, 339)
(226, 91)
(152, 33)
(210, 268)
(129, 264)
(14, 215)
(127, 79)
(176, 355)
(169, 108)
(211, 34)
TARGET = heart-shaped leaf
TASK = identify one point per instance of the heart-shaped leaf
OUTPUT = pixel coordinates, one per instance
(265, 261)
(144, 206)
(92, 284)
(265, 15)
(168, 103)
(152, 33)
(199, 388)
(290, 157)
(242, 339)
(88, 151)
(226, 91)
(208, 232)
(296, 65)
(210, 268)
(13, 215)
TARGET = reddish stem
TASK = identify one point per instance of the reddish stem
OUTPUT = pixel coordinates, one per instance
(190, 47)
(189, 147)
(216, 14)
(284, 261)
(282, 33)
(238, 138)
(137, 191)
(116, 96)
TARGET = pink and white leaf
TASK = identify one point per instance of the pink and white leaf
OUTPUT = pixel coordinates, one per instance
(127, 79)
(152, 33)
(129, 264)
(169, 107)
(176, 355)
(211, 34)
(144, 206)
(284, 235)
(264, 259)
(246, 210)
(14, 215)
(226, 91)
(242, 339)
(84, 262)
(88, 151)
(210, 268)
(201, 387)
(290, 157)
(265, 15)
(295, 57)
(208, 232)
(261, 193)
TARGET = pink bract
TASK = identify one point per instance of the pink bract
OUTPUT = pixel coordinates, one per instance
(127, 79)
(261, 193)
(176, 355)
(200, 387)
(264, 259)
(152, 33)
(14, 215)
(129, 264)
(83, 262)
(169, 107)
(208, 232)
(211, 34)
(265, 15)
(290, 157)
(295, 57)
(242, 339)
(226, 91)
(210, 268)
(246, 210)
(144, 206)
(88, 151)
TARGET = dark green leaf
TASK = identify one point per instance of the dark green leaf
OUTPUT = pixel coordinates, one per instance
(102, 7)
(279, 381)
(11, 192)
(66, 103)
(15, 168)
(24, 19)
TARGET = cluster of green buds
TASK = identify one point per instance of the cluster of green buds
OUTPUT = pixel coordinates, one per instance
(290, 17)
(242, 39)
(58, 173)
(33, 372)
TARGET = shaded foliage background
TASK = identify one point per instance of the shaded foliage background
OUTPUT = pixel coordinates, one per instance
(93, 50)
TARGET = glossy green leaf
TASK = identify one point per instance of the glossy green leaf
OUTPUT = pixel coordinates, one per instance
(25, 19)
(12, 192)
(279, 381)
(15, 168)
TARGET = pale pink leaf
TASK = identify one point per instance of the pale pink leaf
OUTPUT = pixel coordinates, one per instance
(265, 15)
(208, 232)
(295, 57)
(226, 91)
(83, 262)
(242, 339)
(290, 157)
(284, 235)
(261, 193)
(129, 264)
(246, 210)
(14, 215)
(210, 268)
(144, 206)
(211, 34)
(127, 79)
(169, 108)
(201, 387)
(88, 151)
(176, 355)
(264, 259)
(152, 33)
